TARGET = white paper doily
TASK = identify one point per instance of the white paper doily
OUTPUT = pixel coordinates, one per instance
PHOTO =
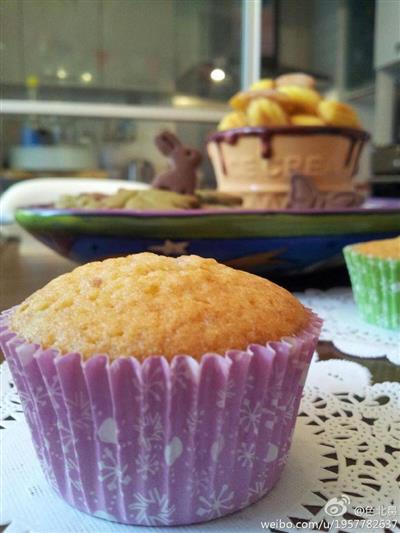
(344, 327)
(345, 444)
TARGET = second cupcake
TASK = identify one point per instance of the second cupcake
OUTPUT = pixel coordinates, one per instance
(374, 269)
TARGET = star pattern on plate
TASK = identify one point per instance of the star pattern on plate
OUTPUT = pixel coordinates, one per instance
(170, 247)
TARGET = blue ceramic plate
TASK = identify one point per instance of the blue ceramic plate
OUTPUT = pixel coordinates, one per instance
(264, 242)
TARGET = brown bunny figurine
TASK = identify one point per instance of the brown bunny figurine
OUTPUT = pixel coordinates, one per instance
(305, 195)
(181, 175)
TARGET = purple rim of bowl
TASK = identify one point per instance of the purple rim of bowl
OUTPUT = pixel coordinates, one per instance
(358, 134)
(372, 205)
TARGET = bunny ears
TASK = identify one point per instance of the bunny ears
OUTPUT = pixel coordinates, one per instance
(166, 141)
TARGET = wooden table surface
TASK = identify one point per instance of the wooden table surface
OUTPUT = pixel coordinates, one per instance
(27, 265)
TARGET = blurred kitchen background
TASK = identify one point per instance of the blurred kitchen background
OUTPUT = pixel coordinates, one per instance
(86, 84)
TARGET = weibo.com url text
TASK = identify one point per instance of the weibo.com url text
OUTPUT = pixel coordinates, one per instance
(334, 523)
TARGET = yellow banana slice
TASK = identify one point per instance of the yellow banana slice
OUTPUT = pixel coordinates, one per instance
(236, 119)
(306, 120)
(266, 83)
(338, 114)
(241, 100)
(303, 99)
(297, 78)
(265, 112)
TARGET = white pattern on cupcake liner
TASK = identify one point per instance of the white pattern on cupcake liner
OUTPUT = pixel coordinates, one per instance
(128, 440)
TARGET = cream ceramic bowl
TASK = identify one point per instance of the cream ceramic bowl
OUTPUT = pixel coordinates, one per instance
(257, 163)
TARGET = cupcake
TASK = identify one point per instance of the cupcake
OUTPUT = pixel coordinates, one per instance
(374, 269)
(160, 391)
(280, 127)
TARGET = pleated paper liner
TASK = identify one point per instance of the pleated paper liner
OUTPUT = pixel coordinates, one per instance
(158, 442)
(376, 287)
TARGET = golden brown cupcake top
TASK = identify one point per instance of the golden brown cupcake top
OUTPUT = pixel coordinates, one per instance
(384, 249)
(146, 304)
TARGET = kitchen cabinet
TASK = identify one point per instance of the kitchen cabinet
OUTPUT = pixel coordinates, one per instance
(11, 44)
(192, 35)
(294, 36)
(153, 48)
(387, 33)
(61, 41)
(139, 44)
(359, 49)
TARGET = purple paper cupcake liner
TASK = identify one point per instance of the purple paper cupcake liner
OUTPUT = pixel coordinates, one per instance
(158, 442)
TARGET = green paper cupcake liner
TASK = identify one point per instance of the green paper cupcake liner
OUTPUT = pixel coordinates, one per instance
(376, 287)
